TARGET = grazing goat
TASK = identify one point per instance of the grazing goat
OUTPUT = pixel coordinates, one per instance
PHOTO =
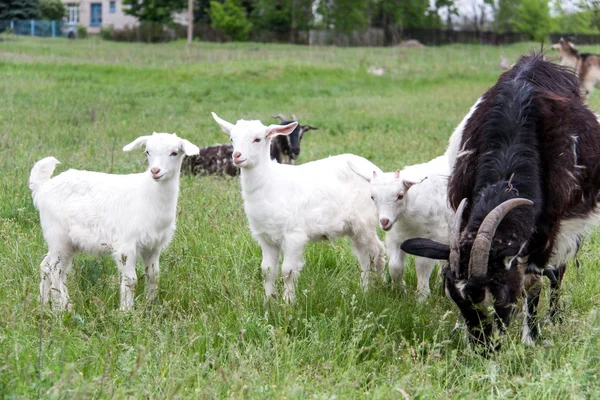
(412, 202)
(287, 206)
(585, 65)
(217, 159)
(525, 185)
(127, 216)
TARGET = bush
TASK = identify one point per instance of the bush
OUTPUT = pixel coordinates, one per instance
(82, 32)
(106, 32)
(231, 18)
(53, 9)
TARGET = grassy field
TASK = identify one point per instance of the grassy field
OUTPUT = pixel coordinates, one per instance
(210, 335)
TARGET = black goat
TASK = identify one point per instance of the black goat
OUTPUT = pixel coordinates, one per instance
(285, 149)
(525, 185)
(217, 159)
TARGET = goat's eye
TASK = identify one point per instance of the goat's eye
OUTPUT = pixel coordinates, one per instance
(372, 198)
(400, 196)
(257, 140)
(147, 153)
(174, 154)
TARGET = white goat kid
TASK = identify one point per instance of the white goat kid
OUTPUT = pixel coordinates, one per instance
(127, 216)
(288, 206)
(412, 202)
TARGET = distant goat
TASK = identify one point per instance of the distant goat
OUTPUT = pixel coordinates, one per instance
(217, 159)
(525, 184)
(412, 202)
(585, 65)
(288, 206)
(128, 216)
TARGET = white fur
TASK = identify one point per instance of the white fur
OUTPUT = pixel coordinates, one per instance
(454, 145)
(127, 216)
(288, 206)
(412, 203)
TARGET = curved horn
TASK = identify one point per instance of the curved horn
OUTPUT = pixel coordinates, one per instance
(281, 117)
(480, 252)
(454, 259)
(294, 118)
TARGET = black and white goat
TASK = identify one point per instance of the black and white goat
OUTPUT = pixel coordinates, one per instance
(217, 159)
(525, 184)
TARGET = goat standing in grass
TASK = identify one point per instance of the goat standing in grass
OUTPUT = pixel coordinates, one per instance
(288, 206)
(412, 202)
(525, 184)
(127, 216)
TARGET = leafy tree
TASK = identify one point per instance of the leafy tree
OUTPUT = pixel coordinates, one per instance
(451, 9)
(533, 18)
(350, 15)
(505, 15)
(160, 11)
(230, 17)
(19, 9)
(282, 15)
(52, 9)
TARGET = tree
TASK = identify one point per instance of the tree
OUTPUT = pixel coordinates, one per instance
(52, 9)
(230, 17)
(160, 11)
(19, 9)
(505, 14)
(533, 18)
(282, 15)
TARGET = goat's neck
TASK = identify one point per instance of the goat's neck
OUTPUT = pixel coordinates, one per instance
(165, 192)
(252, 179)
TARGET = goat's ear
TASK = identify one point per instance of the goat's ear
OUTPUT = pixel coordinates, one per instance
(225, 126)
(408, 184)
(136, 144)
(189, 148)
(276, 130)
(357, 172)
(426, 248)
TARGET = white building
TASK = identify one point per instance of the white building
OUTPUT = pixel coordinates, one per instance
(93, 14)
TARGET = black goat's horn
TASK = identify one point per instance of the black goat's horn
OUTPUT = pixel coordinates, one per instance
(281, 117)
(480, 252)
(454, 259)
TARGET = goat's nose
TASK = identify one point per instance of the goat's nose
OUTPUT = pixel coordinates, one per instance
(296, 150)
(237, 155)
(155, 171)
(384, 222)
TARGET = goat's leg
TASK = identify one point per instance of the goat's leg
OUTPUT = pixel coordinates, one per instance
(152, 270)
(45, 279)
(126, 260)
(396, 264)
(533, 288)
(365, 253)
(424, 268)
(269, 267)
(66, 262)
(555, 291)
(293, 261)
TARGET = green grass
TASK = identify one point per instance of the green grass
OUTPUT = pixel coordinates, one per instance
(210, 335)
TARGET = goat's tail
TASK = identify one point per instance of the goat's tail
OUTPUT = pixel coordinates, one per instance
(41, 172)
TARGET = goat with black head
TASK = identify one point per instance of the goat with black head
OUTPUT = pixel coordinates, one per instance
(524, 185)
(287, 148)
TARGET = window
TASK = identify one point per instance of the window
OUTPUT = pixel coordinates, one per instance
(112, 6)
(96, 14)
(73, 13)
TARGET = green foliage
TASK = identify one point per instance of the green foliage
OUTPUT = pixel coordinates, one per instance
(576, 22)
(160, 11)
(107, 31)
(533, 18)
(19, 9)
(413, 13)
(231, 18)
(82, 32)
(53, 9)
(282, 15)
